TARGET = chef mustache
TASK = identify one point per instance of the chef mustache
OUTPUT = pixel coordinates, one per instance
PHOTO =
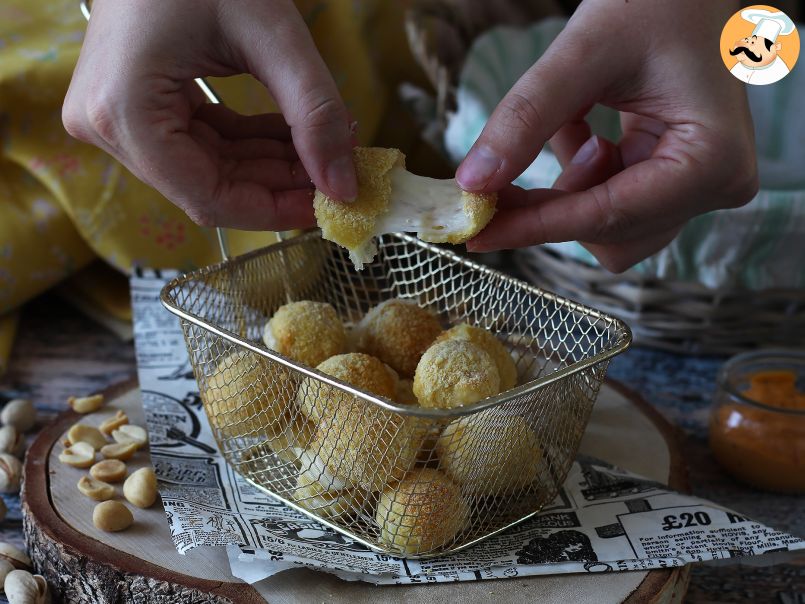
(743, 49)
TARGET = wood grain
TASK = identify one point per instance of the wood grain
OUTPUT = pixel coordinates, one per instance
(142, 565)
(85, 565)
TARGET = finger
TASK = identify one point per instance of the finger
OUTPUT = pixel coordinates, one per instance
(640, 137)
(275, 174)
(512, 196)
(541, 101)
(618, 257)
(622, 208)
(251, 207)
(305, 92)
(593, 163)
(233, 125)
(568, 139)
(256, 148)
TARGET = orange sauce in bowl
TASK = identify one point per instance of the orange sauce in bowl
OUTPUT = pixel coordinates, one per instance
(762, 446)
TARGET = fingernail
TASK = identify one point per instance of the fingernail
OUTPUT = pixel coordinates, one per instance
(341, 178)
(478, 168)
(586, 152)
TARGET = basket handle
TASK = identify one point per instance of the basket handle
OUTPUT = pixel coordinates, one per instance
(213, 98)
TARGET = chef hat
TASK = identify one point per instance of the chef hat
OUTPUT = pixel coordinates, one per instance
(769, 25)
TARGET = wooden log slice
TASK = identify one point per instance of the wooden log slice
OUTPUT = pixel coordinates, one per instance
(85, 565)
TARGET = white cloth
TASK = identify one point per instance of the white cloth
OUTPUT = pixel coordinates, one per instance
(769, 74)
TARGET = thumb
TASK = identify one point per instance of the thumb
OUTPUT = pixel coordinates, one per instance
(541, 101)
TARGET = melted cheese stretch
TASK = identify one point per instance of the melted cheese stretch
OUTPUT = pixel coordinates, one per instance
(430, 207)
(391, 200)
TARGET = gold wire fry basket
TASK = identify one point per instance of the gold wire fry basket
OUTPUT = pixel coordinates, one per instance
(371, 468)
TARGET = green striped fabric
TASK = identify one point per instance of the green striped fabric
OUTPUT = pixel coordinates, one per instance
(758, 246)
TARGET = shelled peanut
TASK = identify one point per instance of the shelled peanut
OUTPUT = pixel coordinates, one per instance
(117, 441)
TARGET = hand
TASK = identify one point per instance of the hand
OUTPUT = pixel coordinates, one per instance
(687, 145)
(133, 95)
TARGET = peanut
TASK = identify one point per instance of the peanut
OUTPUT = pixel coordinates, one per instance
(141, 488)
(113, 423)
(11, 441)
(22, 587)
(96, 489)
(130, 434)
(108, 470)
(86, 404)
(5, 568)
(10, 473)
(17, 558)
(82, 433)
(19, 413)
(112, 516)
(79, 455)
(123, 452)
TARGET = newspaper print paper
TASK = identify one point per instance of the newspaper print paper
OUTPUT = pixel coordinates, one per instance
(604, 519)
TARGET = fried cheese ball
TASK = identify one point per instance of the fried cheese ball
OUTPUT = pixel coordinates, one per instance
(390, 199)
(405, 393)
(247, 395)
(424, 512)
(306, 331)
(289, 444)
(397, 332)
(317, 399)
(368, 447)
(454, 373)
(493, 347)
(489, 453)
(315, 495)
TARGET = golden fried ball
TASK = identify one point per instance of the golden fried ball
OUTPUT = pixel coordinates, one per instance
(248, 395)
(364, 445)
(289, 444)
(493, 347)
(423, 513)
(405, 393)
(315, 496)
(390, 199)
(453, 373)
(397, 332)
(360, 370)
(489, 453)
(308, 332)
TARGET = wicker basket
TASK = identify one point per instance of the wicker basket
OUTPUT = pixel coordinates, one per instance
(681, 316)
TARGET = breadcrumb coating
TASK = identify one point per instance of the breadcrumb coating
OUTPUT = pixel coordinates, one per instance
(452, 373)
(424, 512)
(306, 331)
(366, 446)
(317, 399)
(391, 199)
(397, 332)
(489, 453)
(351, 225)
(494, 348)
(312, 495)
(246, 393)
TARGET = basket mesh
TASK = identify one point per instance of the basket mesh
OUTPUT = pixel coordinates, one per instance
(397, 478)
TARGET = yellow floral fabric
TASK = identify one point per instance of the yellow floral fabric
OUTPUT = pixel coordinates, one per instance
(64, 203)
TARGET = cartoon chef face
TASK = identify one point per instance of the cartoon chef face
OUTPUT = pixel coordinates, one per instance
(755, 51)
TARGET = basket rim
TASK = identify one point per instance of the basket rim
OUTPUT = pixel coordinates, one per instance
(625, 340)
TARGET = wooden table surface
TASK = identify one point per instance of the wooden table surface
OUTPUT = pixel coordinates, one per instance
(60, 353)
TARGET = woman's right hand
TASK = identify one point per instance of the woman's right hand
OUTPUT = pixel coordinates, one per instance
(133, 95)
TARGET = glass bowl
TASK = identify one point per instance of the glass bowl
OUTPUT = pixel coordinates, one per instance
(757, 426)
